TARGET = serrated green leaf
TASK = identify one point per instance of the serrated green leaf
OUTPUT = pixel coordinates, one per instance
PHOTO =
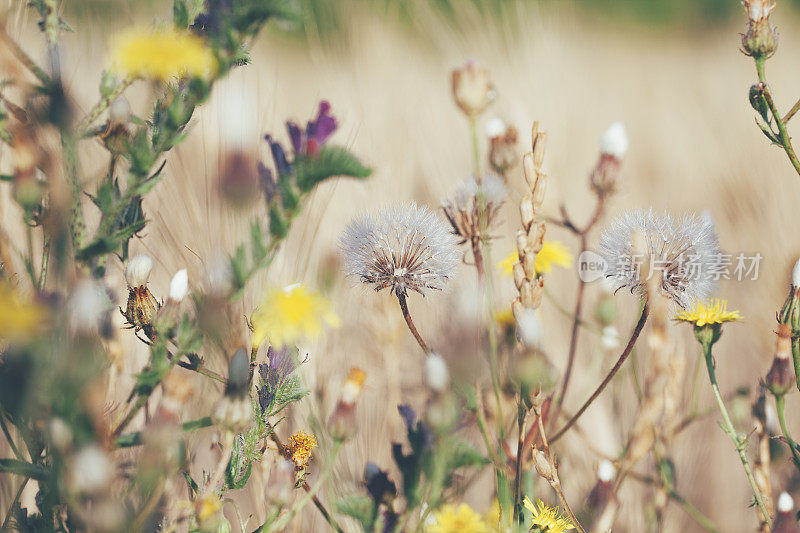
(330, 161)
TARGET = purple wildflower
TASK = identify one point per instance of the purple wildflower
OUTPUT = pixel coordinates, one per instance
(280, 364)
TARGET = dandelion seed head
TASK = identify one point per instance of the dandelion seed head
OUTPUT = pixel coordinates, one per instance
(463, 208)
(683, 251)
(405, 247)
(606, 471)
(495, 127)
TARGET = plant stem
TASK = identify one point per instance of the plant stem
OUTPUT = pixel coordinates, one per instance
(796, 358)
(14, 502)
(780, 406)
(792, 112)
(783, 135)
(22, 468)
(407, 315)
(522, 414)
(697, 515)
(634, 336)
(45, 262)
(573, 341)
(11, 444)
(134, 439)
(731, 431)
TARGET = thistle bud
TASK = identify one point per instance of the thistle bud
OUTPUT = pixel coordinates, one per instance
(785, 519)
(614, 141)
(343, 420)
(179, 286)
(142, 305)
(760, 40)
(790, 311)
(436, 374)
(116, 133)
(472, 89)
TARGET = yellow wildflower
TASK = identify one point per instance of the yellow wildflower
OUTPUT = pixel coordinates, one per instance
(300, 446)
(552, 253)
(547, 519)
(712, 312)
(162, 55)
(208, 508)
(18, 317)
(290, 314)
(461, 519)
(505, 318)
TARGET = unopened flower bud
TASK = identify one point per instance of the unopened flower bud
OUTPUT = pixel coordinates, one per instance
(503, 151)
(119, 112)
(436, 374)
(137, 271)
(280, 486)
(614, 141)
(603, 491)
(472, 89)
(760, 40)
(543, 466)
(780, 378)
(343, 424)
(785, 519)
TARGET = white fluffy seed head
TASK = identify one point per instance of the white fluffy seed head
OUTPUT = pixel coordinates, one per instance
(530, 328)
(495, 127)
(87, 304)
(493, 188)
(614, 141)
(179, 286)
(436, 374)
(90, 470)
(119, 112)
(405, 247)
(683, 251)
(606, 471)
(137, 271)
(785, 503)
(796, 274)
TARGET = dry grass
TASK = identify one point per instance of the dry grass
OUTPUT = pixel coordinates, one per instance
(694, 146)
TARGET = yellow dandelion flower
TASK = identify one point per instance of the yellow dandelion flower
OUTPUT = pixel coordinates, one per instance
(291, 314)
(162, 55)
(461, 519)
(552, 253)
(547, 519)
(18, 317)
(712, 312)
(208, 508)
(505, 318)
(300, 446)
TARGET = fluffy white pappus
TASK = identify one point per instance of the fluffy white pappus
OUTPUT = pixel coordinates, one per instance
(530, 329)
(87, 304)
(610, 339)
(90, 470)
(404, 247)
(137, 271)
(179, 286)
(495, 127)
(614, 140)
(683, 251)
(119, 112)
(785, 503)
(493, 188)
(796, 274)
(436, 374)
(606, 471)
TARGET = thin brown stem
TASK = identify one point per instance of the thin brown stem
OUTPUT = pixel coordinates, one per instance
(792, 112)
(478, 256)
(634, 336)
(522, 414)
(407, 315)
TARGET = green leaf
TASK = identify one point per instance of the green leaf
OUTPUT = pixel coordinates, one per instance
(180, 14)
(463, 454)
(259, 250)
(330, 161)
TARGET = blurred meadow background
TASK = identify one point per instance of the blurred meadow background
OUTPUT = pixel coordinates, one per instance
(670, 71)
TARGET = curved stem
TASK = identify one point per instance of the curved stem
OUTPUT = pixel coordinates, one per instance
(407, 315)
(796, 358)
(731, 431)
(634, 336)
(783, 135)
(780, 406)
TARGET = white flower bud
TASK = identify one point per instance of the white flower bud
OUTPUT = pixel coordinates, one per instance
(137, 272)
(529, 328)
(495, 127)
(90, 470)
(86, 305)
(796, 274)
(614, 141)
(179, 286)
(119, 112)
(606, 471)
(785, 503)
(436, 374)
